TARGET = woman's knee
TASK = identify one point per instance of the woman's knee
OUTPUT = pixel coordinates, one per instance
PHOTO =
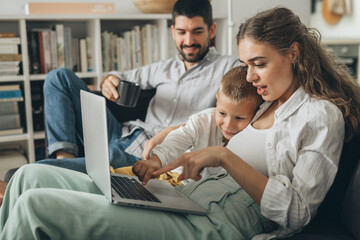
(31, 172)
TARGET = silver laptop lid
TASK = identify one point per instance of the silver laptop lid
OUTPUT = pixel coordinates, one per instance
(94, 121)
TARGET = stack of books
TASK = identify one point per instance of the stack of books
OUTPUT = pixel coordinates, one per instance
(10, 121)
(10, 57)
(54, 47)
(130, 49)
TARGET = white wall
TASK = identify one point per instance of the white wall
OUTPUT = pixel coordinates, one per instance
(347, 28)
(16, 7)
(243, 9)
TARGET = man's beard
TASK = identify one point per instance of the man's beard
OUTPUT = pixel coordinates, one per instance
(193, 58)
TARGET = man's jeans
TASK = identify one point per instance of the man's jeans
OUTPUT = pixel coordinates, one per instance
(64, 124)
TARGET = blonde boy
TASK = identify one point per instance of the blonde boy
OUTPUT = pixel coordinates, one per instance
(237, 102)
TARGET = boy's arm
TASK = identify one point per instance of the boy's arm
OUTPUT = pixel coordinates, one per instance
(144, 169)
(156, 140)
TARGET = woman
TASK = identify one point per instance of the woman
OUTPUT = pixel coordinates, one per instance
(297, 135)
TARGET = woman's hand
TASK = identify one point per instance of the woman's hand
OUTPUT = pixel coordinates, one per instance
(109, 86)
(156, 140)
(194, 162)
(144, 169)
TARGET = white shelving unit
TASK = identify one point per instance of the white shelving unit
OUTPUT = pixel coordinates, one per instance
(83, 26)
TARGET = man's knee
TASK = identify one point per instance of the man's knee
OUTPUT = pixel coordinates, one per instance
(58, 77)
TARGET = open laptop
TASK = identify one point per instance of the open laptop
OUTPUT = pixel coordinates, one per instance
(156, 194)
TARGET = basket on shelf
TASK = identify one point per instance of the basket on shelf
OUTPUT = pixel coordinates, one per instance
(155, 6)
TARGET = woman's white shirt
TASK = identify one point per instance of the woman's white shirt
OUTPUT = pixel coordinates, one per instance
(249, 145)
(302, 152)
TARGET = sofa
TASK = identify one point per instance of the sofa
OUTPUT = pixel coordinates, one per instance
(338, 216)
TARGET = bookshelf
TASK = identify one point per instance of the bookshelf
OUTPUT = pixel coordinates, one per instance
(81, 26)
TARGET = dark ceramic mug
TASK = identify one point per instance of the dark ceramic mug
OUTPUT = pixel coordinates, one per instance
(128, 93)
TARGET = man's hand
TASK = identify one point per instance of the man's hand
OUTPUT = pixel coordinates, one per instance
(109, 86)
(144, 169)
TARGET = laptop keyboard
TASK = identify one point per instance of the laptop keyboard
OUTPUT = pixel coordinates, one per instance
(131, 189)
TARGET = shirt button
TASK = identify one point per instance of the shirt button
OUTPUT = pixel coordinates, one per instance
(269, 144)
(168, 120)
(180, 81)
(174, 100)
(273, 174)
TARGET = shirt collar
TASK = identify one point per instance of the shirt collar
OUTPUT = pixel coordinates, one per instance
(286, 109)
(292, 104)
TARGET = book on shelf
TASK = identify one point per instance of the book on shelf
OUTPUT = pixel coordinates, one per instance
(137, 54)
(53, 51)
(105, 52)
(7, 87)
(44, 49)
(10, 93)
(34, 56)
(59, 28)
(7, 35)
(156, 44)
(10, 121)
(10, 40)
(9, 72)
(114, 62)
(9, 66)
(68, 48)
(83, 56)
(9, 108)
(75, 50)
(120, 48)
(76, 8)
(9, 49)
(10, 57)
(89, 54)
(11, 131)
(128, 54)
(41, 52)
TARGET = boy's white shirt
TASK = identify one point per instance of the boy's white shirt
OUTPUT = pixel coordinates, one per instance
(199, 132)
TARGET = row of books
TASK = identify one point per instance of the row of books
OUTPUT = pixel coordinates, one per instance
(54, 47)
(130, 49)
(10, 56)
(10, 118)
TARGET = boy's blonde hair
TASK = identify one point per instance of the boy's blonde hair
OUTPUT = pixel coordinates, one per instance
(234, 86)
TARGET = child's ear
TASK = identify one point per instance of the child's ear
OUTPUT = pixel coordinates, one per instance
(216, 96)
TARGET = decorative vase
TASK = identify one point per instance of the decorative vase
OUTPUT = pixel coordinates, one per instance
(155, 6)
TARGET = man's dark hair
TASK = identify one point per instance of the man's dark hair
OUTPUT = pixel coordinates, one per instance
(193, 8)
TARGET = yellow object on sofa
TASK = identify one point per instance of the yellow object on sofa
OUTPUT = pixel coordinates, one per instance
(170, 177)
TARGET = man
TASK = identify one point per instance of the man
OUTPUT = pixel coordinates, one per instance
(184, 86)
